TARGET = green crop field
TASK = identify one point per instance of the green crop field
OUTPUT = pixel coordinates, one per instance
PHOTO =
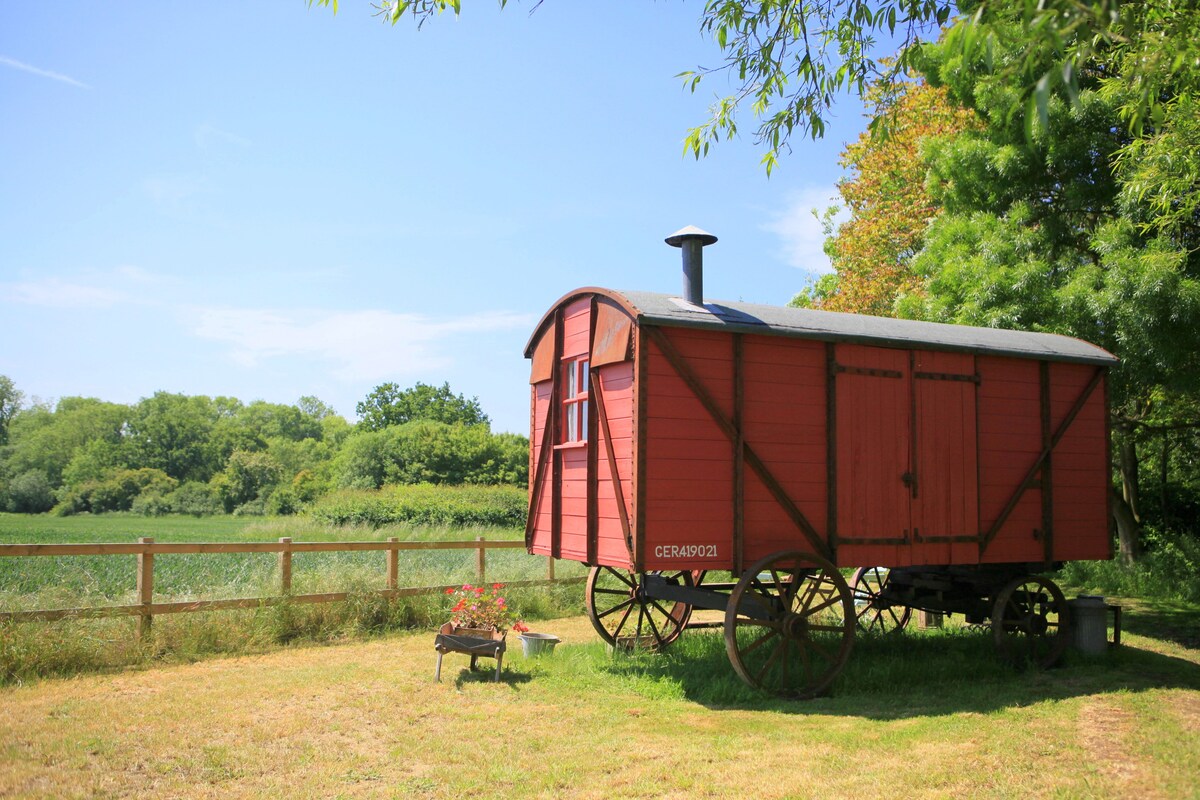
(30, 650)
(74, 581)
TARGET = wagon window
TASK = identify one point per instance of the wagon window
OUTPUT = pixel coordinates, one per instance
(575, 401)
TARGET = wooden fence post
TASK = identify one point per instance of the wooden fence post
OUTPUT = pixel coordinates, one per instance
(393, 564)
(145, 586)
(481, 561)
(285, 565)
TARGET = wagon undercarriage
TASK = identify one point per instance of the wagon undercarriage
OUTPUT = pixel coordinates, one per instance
(791, 619)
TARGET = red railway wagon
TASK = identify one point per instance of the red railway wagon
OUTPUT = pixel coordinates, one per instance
(674, 439)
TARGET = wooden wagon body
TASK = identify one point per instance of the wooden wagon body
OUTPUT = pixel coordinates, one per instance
(673, 440)
(667, 435)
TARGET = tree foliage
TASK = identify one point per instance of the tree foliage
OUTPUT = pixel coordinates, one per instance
(248, 476)
(890, 207)
(175, 453)
(388, 404)
(10, 402)
(790, 61)
(428, 451)
(46, 440)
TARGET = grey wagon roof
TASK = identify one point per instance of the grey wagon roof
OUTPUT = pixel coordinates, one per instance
(803, 323)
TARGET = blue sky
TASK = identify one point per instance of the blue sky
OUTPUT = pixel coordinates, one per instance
(265, 201)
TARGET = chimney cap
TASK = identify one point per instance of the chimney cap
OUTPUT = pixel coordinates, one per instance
(682, 235)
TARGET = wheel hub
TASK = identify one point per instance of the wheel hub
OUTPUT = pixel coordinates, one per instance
(795, 626)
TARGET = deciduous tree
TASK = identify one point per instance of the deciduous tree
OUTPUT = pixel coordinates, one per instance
(890, 207)
(388, 404)
(10, 403)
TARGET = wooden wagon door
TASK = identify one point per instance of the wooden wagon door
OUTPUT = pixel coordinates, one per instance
(906, 456)
(873, 434)
(945, 487)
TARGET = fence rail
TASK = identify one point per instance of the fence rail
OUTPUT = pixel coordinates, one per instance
(146, 548)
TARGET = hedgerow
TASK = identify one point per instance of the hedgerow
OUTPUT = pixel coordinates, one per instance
(424, 504)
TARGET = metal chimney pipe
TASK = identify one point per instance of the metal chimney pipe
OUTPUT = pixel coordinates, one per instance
(692, 241)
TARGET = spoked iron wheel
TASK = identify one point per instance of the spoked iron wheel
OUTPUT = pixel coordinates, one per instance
(874, 614)
(789, 627)
(625, 617)
(1030, 622)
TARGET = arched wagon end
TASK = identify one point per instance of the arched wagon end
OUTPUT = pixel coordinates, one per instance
(582, 429)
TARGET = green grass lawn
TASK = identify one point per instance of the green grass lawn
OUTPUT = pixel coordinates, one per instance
(925, 714)
(334, 701)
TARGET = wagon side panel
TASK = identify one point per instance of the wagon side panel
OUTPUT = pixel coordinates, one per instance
(1010, 440)
(540, 500)
(784, 425)
(686, 480)
(1080, 467)
(615, 384)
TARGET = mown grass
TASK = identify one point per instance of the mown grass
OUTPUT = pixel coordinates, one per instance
(32, 650)
(925, 714)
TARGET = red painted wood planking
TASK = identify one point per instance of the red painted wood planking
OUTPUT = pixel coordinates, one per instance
(920, 445)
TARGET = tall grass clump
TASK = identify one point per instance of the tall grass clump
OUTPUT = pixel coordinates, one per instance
(424, 504)
(1167, 570)
(35, 650)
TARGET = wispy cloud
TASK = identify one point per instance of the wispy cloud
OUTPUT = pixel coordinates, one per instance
(209, 136)
(799, 227)
(58, 293)
(89, 289)
(358, 345)
(43, 73)
(172, 190)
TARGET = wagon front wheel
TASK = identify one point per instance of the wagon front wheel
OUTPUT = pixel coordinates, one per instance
(874, 613)
(789, 625)
(626, 617)
(1029, 622)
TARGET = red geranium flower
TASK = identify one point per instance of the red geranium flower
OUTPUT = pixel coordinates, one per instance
(481, 607)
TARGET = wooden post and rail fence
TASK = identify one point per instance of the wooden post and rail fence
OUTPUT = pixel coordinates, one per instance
(146, 549)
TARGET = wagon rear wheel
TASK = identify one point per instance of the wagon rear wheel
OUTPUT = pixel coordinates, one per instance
(1029, 622)
(625, 617)
(789, 628)
(875, 614)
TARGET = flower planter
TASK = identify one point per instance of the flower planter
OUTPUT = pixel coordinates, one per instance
(474, 642)
(536, 644)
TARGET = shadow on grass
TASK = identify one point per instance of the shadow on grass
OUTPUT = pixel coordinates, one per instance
(485, 674)
(1172, 622)
(909, 675)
